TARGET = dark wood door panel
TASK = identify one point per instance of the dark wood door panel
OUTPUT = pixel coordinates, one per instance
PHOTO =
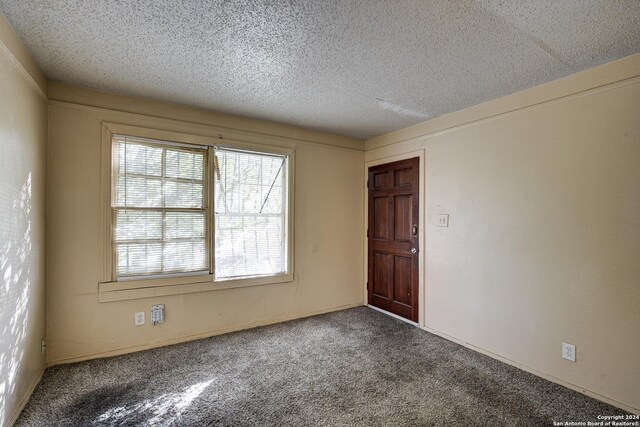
(401, 310)
(402, 217)
(380, 180)
(381, 217)
(382, 273)
(403, 177)
(393, 191)
(402, 279)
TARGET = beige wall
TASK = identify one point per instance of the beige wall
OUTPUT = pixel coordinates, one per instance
(23, 124)
(328, 215)
(543, 192)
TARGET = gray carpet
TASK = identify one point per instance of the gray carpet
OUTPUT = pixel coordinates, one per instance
(353, 367)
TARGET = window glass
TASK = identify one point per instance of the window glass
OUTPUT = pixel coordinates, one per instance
(250, 214)
(159, 215)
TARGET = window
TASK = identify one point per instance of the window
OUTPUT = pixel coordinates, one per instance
(250, 214)
(159, 207)
(186, 214)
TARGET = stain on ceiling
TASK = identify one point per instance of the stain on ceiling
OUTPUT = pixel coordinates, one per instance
(353, 67)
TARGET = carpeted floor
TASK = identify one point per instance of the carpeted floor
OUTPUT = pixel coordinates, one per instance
(353, 367)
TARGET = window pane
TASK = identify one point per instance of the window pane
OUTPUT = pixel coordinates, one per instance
(251, 221)
(138, 258)
(185, 256)
(185, 164)
(250, 183)
(139, 159)
(138, 192)
(160, 223)
(249, 246)
(275, 202)
(181, 225)
(183, 194)
(137, 225)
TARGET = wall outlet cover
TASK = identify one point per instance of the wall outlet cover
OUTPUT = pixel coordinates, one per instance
(139, 318)
(569, 351)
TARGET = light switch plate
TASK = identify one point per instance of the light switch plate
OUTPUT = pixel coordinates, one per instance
(443, 220)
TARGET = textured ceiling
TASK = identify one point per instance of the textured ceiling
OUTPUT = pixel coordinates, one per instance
(354, 67)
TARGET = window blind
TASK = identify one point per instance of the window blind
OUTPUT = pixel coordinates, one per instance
(159, 207)
(250, 213)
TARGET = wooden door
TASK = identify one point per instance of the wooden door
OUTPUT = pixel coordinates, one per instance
(393, 238)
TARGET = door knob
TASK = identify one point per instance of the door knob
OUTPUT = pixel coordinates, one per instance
(414, 250)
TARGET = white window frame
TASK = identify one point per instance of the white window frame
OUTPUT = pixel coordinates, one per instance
(112, 289)
(206, 208)
(287, 275)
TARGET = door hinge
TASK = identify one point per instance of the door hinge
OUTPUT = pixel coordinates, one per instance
(367, 285)
(367, 184)
(367, 233)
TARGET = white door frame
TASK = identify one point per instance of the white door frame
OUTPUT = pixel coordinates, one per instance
(421, 226)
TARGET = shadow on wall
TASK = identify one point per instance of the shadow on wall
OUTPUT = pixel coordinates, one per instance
(15, 291)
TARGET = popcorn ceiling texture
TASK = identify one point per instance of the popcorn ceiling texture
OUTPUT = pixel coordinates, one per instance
(354, 67)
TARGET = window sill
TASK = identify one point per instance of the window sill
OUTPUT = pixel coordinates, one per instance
(150, 288)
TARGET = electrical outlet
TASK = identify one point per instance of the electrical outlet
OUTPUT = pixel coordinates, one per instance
(443, 220)
(569, 351)
(157, 314)
(43, 345)
(139, 318)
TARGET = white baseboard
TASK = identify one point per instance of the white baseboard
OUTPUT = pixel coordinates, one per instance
(24, 400)
(536, 372)
(186, 338)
